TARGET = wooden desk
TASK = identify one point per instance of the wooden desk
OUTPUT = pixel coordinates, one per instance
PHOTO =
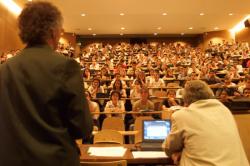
(122, 132)
(128, 155)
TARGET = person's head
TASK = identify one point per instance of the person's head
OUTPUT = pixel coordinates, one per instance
(40, 23)
(211, 73)
(196, 90)
(144, 93)
(223, 95)
(137, 84)
(134, 64)
(171, 93)
(156, 75)
(96, 83)
(115, 96)
(117, 76)
(246, 92)
(117, 85)
(86, 72)
(227, 80)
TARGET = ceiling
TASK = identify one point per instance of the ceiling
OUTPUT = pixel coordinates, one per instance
(145, 16)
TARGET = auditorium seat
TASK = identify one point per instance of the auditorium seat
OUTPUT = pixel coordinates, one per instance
(113, 123)
(108, 136)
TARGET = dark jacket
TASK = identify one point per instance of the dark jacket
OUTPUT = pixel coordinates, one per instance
(42, 109)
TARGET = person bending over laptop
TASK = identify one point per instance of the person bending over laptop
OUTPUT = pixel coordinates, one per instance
(205, 132)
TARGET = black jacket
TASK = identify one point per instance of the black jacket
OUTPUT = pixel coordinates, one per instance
(42, 109)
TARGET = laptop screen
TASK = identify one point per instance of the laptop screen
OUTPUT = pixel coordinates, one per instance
(155, 130)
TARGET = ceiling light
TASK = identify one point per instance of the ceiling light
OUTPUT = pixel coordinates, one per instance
(11, 6)
(164, 14)
(182, 34)
(159, 28)
(90, 29)
(155, 34)
(83, 14)
(121, 14)
(94, 34)
(202, 14)
(216, 28)
(30, 0)
(230, 14)
(122, 28)
(190, 28)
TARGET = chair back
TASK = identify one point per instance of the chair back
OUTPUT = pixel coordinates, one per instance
(138, 127)
(108, 136)
(173, 85)
(113, 123)
(111, 163)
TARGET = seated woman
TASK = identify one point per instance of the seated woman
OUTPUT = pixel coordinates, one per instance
(95, 87)
(104, 74)
(224, 97)
(115, 105)
(118, 87)
(135, 92)
(86, 74)
(141, 77)
(93, 107)
(170, 101)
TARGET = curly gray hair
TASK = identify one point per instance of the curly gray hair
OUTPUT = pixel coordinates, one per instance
(196, 90)
(37, 21)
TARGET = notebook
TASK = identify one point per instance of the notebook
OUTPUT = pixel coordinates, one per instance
(154, 132)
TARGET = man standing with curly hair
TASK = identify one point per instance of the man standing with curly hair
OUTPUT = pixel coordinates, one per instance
(42, 104)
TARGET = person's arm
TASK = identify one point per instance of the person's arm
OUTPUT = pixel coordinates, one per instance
(135, 109)
(96, 109)
(78, 117)
(122, 109)
(107, 109)
(175, 141)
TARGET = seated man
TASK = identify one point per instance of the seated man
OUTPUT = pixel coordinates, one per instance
(144, 103)
(204, 133)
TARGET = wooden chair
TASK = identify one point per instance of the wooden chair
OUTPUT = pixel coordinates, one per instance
(113, 123)
(108, 136)
(138, 127)
(111, 163)
(173, 85)
(243, 123)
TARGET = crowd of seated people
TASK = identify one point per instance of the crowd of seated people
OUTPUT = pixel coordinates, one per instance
(126, 72)
(128, 69)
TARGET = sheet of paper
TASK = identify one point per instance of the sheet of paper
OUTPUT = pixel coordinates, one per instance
(107, 151)
(149, 154)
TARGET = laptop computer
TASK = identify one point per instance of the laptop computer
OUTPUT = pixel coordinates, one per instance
(154, 132)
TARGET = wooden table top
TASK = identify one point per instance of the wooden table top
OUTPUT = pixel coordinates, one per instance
(127, 156)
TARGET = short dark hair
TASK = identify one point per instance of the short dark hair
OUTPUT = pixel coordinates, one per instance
(117, 92)
(36, 22)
